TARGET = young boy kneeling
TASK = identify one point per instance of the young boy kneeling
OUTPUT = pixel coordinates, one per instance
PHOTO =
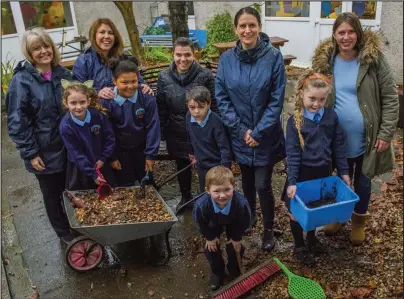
(222, 208)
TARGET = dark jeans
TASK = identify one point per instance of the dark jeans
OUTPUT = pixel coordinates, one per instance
(184, 178)
(133, 166)
(202, 178)
(256, 179)
(216, 261)
(361, 183)
(52, 186)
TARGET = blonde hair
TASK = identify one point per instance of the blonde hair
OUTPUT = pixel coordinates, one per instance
(313, 79)
(117, 47)
(90, 93)
(38, 34)
(219, 175)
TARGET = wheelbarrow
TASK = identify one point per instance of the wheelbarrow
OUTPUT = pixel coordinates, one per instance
(87, 252)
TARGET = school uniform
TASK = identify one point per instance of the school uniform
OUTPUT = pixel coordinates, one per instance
(210, 144)
(87, 142)
(211, 221)
(136, 125)
(323, 138)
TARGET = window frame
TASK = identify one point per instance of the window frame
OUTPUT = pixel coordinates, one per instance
(14, 21)
(301, 19)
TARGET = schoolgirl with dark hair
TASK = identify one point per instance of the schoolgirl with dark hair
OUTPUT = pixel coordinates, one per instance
(135, 122)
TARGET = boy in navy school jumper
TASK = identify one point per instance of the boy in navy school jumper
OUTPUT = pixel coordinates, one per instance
(134, 117)
(313, 137)
(207, 133)
(222, 208)
(88, 137)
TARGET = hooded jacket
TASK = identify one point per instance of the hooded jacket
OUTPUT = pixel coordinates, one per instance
(377, 97)
(88, 66)
(250, 90)
(171, 93)
(34, 111)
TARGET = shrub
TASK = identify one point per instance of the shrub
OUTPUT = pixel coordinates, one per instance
(219, 29)
(7, 70)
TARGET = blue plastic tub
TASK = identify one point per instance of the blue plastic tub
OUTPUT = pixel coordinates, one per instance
(310, 191)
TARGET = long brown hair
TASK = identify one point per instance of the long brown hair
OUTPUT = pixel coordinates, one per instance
(313, 79)
(90, 93)
(353, 20)
(117, 47)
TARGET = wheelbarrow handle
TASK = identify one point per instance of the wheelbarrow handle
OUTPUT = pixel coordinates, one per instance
(172, 177)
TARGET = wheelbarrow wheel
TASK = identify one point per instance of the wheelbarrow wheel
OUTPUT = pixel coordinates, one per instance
(84, 254)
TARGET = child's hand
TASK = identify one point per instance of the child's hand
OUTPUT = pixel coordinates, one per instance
(99, 164)
(116, 165)
(99, 180)
(146, 89)
(212, 245)
(291, 191)
(346, 179)
(236, 245)
(106, 93)
(192, 159)
(150, 164)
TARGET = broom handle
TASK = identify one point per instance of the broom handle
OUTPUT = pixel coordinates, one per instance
(240, 264)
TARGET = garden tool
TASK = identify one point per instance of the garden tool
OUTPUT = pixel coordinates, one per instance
(75, 201)
(103, 189)
(301, 287)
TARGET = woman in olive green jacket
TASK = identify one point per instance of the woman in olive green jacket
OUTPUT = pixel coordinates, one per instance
(365, 99)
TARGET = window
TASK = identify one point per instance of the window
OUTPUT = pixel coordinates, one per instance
(287, 9)
(190, 5)
(331, 9)
(364, 9)
(7, 19)
(47, 14)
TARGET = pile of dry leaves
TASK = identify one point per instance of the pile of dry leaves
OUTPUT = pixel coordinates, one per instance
(129, 208)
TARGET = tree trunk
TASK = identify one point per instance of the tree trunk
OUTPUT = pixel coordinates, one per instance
(178, 19)
(126, 9)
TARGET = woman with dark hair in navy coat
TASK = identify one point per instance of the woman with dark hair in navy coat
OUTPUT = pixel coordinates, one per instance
(135, 121)
(88, 137)
(250, 89)
(34, 111)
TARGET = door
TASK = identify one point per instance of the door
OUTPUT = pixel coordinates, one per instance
(305, 24)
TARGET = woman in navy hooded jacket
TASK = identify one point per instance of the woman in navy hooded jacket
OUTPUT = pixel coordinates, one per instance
(106, 43)
(34, 111)
(250, 89)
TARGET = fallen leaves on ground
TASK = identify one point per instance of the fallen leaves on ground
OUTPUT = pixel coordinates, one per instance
(35, 295)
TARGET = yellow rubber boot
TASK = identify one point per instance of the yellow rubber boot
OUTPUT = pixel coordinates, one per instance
(358, 222)
(331, 229)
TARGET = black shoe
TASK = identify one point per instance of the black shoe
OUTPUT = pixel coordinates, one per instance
(253, 223)
(304, 256)
(215, 282)
(315, 246)
(67, 239)
(268, 241)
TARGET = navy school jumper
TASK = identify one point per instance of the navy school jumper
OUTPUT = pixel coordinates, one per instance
(85, 146)
(137, 131)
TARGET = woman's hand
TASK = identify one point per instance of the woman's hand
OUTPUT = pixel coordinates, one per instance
(236, 245)
(150, 164)
(381, 145)
(99, 180)
(212, 245)
(249, 140)
(291, 191)
(37, 163)
(192, 159)
(99, 164)
(106, 93)
(146, 89)
(116, 165)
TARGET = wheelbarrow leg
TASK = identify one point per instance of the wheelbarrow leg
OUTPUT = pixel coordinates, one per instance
(111, 258)
(168, 253)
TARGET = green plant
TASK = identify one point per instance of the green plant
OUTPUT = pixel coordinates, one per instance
(219, 29)
(7, 70)
(257, 6)
(155, 31)
(157, 54)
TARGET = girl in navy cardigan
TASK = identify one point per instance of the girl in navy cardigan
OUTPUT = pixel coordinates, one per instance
(88, 137)
(135, 122)
(313, 137)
